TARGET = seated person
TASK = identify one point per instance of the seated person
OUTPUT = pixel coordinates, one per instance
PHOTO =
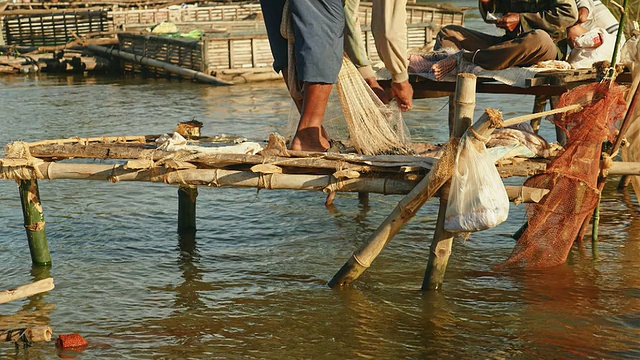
(593, 36)
(535, 31)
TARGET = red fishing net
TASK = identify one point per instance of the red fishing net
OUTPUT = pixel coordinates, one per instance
(571, 178)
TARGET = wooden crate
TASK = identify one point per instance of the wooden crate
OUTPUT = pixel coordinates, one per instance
(130, 19)
(249, 52)
(52, 28)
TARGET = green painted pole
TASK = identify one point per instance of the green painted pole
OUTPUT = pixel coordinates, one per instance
(34, 222)
(623, 18)
(187, 209)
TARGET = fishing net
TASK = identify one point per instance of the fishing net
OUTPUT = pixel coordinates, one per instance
(571, 178)
(356, 117)
(374, 128)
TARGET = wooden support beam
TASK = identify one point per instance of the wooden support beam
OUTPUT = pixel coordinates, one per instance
(187, 209)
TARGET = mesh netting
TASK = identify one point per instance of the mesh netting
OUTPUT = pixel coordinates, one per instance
(374, 128)
(571, 178)
(356, 116)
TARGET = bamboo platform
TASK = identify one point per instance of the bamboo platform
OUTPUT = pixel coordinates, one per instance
(211, 163)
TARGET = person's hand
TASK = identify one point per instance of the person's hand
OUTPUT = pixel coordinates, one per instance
(573, 32)
(487, 5)
(403, 91)
(508, 21)
(378, 90)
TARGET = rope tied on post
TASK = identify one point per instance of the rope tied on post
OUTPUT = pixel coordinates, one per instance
(18, 163)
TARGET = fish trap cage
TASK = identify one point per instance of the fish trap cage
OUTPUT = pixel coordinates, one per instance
(52, 28)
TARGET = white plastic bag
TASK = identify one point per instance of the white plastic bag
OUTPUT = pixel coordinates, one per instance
(592, 46)
(477, 197)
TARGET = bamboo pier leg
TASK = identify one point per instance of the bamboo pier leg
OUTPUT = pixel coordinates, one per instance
(451, 113)
(363, 198)
(465, 103)
(34, 222)
(594, 231)
(440, 250)
(624, 182)
(561, 135)
(187, 209)
(539, 104)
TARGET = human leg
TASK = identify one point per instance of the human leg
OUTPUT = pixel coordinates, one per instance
(309, 133)
(527, 49)
(318, 29)
(461, 38)
(272, 16)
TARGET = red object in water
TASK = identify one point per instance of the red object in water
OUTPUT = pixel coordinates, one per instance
(71, 341)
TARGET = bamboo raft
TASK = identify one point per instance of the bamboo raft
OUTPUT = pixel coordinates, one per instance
(250, 165)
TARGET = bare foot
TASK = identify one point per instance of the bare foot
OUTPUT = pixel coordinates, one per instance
(310, 139)
(443, 67)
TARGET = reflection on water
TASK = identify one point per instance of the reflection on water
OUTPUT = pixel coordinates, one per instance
(251, 282)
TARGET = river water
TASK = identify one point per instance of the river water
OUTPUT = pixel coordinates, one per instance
(252, 282)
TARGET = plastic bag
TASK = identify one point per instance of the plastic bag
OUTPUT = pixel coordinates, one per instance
(593, 46)
(477, 197)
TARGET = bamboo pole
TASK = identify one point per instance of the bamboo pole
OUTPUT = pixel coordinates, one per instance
(441, 245)
(539, 103)
(465, 103)
(34, 222)
(27, 290)
(187, 209)
(247, 179)
(441, 171)
(519, 119)
(27, 335)
(403, 212)
(188, 73)
(117, 150)
(623, 19)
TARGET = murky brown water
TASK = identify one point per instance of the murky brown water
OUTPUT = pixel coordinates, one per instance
(252, 283)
